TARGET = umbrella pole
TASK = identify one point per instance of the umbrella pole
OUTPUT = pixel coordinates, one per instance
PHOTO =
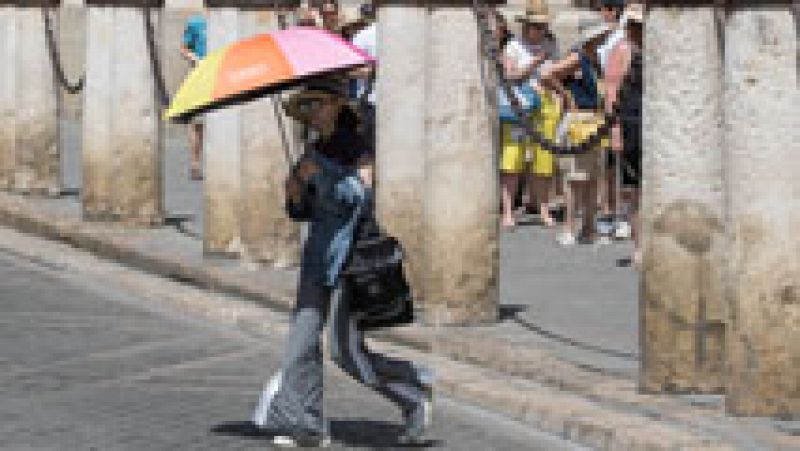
(284, 139)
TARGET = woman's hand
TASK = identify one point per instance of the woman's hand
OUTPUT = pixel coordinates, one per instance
(366, 170)
(365, 174)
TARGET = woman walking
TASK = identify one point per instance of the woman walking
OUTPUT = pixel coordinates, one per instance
(331, 189)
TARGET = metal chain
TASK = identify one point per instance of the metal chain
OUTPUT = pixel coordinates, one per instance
(155, 60)
(491, 51)
(55, 56)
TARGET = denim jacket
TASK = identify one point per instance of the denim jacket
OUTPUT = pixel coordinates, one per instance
(336, 200)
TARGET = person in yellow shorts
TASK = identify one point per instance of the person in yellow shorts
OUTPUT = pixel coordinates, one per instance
(521, 61)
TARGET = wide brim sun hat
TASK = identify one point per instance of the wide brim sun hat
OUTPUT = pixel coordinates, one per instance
(536, 12)
(322, 90)
(533, 18)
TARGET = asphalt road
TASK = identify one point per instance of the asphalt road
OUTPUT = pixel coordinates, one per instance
(88, 363)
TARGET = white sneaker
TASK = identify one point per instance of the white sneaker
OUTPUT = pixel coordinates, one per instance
(622, 231)
(302, 441)
(565, 239)
(603, 240)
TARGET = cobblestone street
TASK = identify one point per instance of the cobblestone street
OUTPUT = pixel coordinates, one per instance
(89, 365)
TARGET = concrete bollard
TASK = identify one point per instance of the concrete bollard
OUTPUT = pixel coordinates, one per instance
(245, 163)
(400, 155)
(122, 149)
(436, 167)
(268, 235)
(461, 219)
(8, 75)
(37, 157)
(762, 132)
(222, 155)
(682, 322)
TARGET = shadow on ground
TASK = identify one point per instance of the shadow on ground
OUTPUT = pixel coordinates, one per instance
(349, 433)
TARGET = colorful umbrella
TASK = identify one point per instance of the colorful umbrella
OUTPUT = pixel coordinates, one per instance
(261, 65)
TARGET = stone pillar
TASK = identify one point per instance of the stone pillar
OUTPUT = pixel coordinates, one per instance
(122, 173)
(763, 211)
(682, 328)
(268, 235)
(461, 219)
(222, 155)
(37, 163)
(401, 150)
(8, 51)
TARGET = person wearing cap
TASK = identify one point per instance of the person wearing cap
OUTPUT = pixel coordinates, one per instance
(575, 78)
(522, 59)
(330, 188)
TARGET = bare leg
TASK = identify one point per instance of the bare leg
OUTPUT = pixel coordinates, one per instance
(539, 189)
(637, 250)
(509, 189)
(569, 207)
(196, 149)
(589, 203)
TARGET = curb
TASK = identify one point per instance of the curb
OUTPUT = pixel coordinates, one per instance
(530, 385)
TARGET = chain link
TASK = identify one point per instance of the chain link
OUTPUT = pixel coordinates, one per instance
(155, 60)
(55, 56)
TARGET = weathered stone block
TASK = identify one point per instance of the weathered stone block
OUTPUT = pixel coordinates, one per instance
(763, 191)
(37, 161)
(268, 235)
(8, 75)
(461, 221)
(401, 149)
(122, 168)
(683, 243)
(222, 155)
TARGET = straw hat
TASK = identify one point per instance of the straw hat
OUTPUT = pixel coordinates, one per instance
(321, 90)
(536, 12)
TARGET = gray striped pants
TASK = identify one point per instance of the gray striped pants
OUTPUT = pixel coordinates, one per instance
(293, 397)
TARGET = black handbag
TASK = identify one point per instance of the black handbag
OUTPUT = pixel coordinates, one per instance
(375, 278)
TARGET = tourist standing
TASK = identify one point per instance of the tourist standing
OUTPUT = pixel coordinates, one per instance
(522, 58)
(194, 48)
